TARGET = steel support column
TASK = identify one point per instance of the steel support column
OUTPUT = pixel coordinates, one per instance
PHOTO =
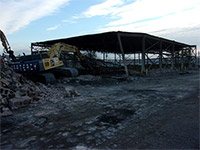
(123, 55)
(139, 57)
(143, 54)
(103, 56)
(160, 55)
(134, 58)
(182, 60)
(196, 58)
(172, 58)
(190, 58)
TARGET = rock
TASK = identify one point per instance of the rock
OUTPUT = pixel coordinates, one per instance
(98, 142)
(40, 122)
(27, 141)
(15, 103)
(65, 134)
(5, 111)
(3, 101)
(92, 129)
(60, 146)
(80, 148)
(7, 93)
(71, 92)
(89, 138)
(89, 78)
(81, 133)
(4, 82)
(71, 140)
(97, 135)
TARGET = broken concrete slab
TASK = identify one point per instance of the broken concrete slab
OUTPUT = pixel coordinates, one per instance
(18, 102)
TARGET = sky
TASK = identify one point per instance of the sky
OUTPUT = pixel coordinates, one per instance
(27, 21)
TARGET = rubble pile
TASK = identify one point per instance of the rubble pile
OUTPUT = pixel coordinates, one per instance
(163, 72)
(16, 91)
(88, 78)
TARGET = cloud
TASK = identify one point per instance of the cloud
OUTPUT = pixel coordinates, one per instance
(160, 17)
(105, 8)
(143, 10)
(53, 28)
(142, 13)
(69, 21)
(173, 21)
(16, 14)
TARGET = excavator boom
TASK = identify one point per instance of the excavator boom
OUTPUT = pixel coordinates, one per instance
(4, 41)
(58, 48)
(6, 46)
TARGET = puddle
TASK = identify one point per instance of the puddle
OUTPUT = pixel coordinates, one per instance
(113, 117)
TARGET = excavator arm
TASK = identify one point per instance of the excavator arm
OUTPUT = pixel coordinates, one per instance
(4, 41)
(6, 46)
(58, 48)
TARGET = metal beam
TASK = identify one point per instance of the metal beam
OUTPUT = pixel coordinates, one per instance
(172, 58)
(160, 55)
(182, 64)
(152, 45)
(190, 58)
(123, 56)
(143, 54)
(149, 59)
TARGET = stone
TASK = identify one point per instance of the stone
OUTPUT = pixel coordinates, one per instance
(72, 140)
(98, 142)
(60, 146)
(28, 140)
(92, 129)
(89, 138)
(5, 111)
(80, 148)
(81, 133)
(41, 122)
(71, 92)
(65, 134)
(97, 135)
(15, 103)
(4, 101)
(4, 82)
(5, 92)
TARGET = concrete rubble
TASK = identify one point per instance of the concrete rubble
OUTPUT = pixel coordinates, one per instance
(16, 91)
(156, 111)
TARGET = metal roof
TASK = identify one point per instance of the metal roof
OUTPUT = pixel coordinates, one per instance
(132, 42)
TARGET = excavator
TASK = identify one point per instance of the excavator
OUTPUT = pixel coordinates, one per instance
(44, 64)
(57, 49)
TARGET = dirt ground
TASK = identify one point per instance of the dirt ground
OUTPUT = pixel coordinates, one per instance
(155, 112)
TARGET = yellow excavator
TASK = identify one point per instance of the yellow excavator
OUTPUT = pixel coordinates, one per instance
(56, 50)
(48, 64)
(44, 63)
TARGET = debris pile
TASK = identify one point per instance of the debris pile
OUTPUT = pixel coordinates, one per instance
(163, 72)
(16, 91)
(88, 78)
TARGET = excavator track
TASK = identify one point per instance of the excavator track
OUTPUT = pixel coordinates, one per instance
(48, 78)
(65, 71)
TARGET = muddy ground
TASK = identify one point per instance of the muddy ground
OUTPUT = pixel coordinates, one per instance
(156, 112)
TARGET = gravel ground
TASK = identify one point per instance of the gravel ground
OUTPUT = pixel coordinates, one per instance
(140, 113)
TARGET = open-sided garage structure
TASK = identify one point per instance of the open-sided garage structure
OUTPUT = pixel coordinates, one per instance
(178, 54)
